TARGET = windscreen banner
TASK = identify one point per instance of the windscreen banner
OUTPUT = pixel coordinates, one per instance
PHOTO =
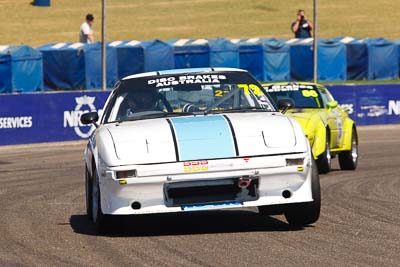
(52, 117)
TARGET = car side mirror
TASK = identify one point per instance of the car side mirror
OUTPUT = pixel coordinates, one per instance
(285, 104)
(332, 104)
(90, 117)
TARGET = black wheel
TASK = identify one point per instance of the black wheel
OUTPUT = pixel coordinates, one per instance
(348, 159)
(101, 221)
(303, 214)
(324, 160)
(88, 189)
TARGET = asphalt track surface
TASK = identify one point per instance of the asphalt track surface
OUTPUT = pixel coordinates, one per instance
(43, 223)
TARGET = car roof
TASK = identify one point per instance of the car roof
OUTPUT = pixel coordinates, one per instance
(181, 71)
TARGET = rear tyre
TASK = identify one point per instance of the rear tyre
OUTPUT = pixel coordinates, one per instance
(324, 160)
(303, 214)
(102, 222)
(348, 159)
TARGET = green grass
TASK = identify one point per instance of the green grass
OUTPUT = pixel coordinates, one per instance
(23, 23)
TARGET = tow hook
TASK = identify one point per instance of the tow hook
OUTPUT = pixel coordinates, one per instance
(244, 182)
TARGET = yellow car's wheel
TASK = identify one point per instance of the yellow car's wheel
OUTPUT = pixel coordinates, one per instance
(324, 160)
(348, 159)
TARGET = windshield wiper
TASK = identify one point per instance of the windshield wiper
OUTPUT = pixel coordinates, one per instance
(242, 109)
(155, 116)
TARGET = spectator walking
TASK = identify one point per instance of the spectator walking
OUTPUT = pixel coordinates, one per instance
(302, 27)
(86, 31)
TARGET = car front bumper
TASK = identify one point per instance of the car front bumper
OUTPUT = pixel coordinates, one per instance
(206, 185)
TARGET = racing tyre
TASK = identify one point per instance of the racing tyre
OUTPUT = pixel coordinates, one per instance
(102, 222)
(348, 159)
(324, 160)
(88, 190)
(303, 214)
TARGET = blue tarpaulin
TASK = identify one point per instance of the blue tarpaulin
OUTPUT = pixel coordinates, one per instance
(130, 57)
(158, 55)
(382, 59)
(191, 53)
(331, 59)
(63, 66)
(276, 60)
(21, 69)
(301, 59)
(142, 56)
(223, 53)
(77, 66)
(251, 56)
(357, 57)
(397, 42)
(93, 68)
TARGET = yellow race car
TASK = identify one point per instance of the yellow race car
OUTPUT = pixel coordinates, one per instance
(327, 126)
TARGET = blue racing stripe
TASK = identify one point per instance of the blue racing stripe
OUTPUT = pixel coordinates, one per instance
(203, 137)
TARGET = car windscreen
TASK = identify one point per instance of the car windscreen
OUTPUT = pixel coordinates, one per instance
(182, 94)
(303, 96)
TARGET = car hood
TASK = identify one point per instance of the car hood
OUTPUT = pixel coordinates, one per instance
(204, 137)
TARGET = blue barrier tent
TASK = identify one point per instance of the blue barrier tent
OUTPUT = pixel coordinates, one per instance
(301, 59)
(93, 68)
(223, 53)
(382, 63)
(251, 56)
(158, 55)
(130, 57)
(77, 66)
(356, 56)
(191, 53)
(397, 42)
(21, 69)
(331, 59)
(276, 60)
(63, 66)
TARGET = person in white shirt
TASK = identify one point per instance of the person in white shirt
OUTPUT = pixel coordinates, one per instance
(86, 31)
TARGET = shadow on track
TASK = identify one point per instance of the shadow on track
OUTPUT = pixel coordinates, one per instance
(202, 222)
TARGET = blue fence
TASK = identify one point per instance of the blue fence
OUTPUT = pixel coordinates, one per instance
(72, 66)
(47, 117)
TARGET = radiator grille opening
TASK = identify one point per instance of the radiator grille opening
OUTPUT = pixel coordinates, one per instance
(209, 191)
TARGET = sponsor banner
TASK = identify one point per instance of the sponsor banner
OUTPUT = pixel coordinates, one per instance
(369, 104)
(47, 117)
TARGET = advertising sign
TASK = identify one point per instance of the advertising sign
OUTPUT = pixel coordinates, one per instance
(50, 117)
(47, 117)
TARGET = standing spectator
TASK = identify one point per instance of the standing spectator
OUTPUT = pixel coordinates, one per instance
(86, 32)
(302, 27)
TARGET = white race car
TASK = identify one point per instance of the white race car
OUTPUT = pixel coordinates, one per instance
(197, 139)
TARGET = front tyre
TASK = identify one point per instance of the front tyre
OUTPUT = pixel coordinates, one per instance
(303, 214)
(324, 160)
(88, 190)
(101, 221)
(348, 159)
